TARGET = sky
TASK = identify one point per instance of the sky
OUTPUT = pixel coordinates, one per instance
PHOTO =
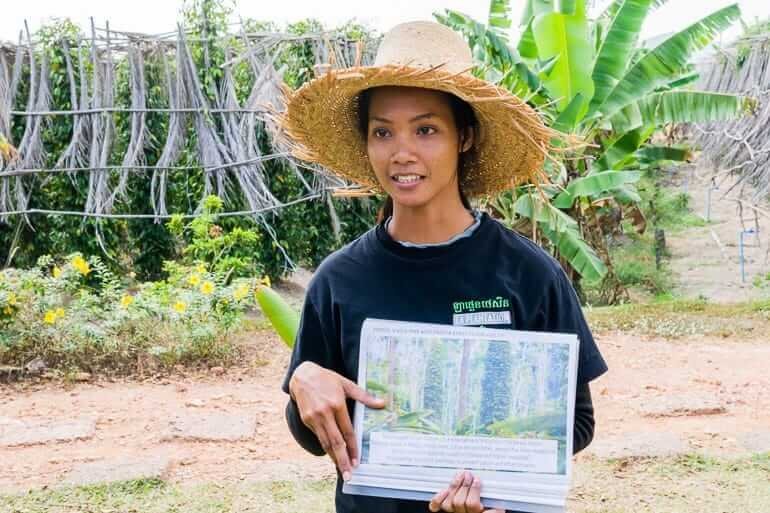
(158, 16)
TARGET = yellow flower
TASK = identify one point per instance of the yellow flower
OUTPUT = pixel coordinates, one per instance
(59, 313)
(265, 281)
(201, 268)
(81, 265)
(180, 306)
(194, 280)
(12, 299)
(207, 288)
(241, 292)
(50, 317)
(56, 271)
(126, 300)
(8, 310)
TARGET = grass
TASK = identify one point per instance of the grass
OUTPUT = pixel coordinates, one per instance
(674, 318)
(683, 484)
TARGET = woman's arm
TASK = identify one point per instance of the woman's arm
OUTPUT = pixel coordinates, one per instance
(583, 431)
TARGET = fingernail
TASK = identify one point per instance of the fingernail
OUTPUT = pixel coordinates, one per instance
(355, 462)
(346, 475)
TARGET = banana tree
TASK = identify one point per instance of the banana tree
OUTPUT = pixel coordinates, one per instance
(594, 78)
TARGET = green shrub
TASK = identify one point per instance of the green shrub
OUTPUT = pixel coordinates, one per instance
(77, 314)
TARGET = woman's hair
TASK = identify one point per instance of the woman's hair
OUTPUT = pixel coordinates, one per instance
(464, 118)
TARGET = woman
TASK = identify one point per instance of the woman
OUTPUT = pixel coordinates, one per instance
(418, 127)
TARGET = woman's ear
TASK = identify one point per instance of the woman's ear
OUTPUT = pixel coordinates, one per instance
(467, 139)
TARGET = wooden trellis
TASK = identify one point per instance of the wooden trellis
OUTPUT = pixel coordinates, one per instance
(740, 147)
(227, 131)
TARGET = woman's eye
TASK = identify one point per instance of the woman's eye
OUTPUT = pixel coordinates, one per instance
(426, 130)
(380, 132)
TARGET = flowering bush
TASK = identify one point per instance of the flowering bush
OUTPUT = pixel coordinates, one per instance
(76, 314)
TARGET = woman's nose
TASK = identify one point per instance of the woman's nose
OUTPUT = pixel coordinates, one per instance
(404, 152)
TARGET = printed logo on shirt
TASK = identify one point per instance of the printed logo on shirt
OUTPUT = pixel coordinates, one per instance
(477, 304)
(482, 318)
(478, 312)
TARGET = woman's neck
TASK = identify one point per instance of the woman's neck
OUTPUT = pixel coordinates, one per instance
(429, 224)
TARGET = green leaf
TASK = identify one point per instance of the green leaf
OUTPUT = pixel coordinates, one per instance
(651, 154)
(617, 47)
(667, 60)
(612, 9)
(533, 207)
(570, 6)
(500, 17)
(683, 81)
(284, 318)
(626, 195)
(527, 46)
(578, 253)
(565, 36)
(570, 116)
(686, 107)
(593, 185)
(532, 8)
(620, 152)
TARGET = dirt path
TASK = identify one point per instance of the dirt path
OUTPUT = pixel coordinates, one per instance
(660, 397)
(705, 260)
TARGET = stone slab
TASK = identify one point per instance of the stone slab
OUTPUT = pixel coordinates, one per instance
(645, 444)
(211, 427)
(682, 406)
(121, 469)
(755, 441)
(44, 432)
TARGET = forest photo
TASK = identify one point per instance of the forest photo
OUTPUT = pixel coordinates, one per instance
(468, 387)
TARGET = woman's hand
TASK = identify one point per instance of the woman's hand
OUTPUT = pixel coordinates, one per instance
(462, 496)
(320, 395)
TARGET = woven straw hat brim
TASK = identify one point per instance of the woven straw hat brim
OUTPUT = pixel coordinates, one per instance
(322, 126)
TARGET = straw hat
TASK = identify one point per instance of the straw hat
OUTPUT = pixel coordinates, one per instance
(321, 116)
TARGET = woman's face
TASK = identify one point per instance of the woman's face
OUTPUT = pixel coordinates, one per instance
(413, 145)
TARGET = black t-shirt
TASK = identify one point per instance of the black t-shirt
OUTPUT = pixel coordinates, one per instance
(495, 277)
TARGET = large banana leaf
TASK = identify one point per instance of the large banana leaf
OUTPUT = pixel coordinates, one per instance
(684, 107)
(668, 60)
(543, 213)
(593, 185)
(563, 233)
(565, 36)
(612, 10)
(509, 70)
(651, 154)
(617, 47)
(578, 253)
(619, 152)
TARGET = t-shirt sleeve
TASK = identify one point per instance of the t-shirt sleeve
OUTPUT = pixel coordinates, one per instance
(313, 342)
(562, 313)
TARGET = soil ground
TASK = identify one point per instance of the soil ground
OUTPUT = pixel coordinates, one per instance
(683, 422)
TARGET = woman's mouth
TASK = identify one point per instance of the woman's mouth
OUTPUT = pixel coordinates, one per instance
(407, 181)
